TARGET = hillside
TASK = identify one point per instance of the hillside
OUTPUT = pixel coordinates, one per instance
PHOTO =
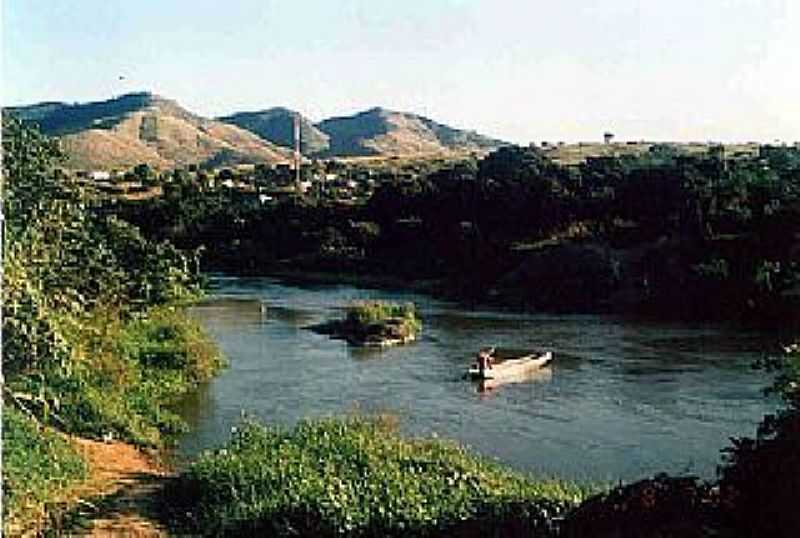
(145, 128)
(384, 132)
(276, 125)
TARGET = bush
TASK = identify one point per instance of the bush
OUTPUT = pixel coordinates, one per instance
(760, 478)
(659, 507)
(354, 477)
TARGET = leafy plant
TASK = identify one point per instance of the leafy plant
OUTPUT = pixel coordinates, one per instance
(354, 477)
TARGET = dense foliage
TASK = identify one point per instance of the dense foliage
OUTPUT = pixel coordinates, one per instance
(720, 229)
(760, 480)
(357, 477)
(90, 343)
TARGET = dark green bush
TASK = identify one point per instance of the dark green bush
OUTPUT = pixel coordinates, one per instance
(760, 478)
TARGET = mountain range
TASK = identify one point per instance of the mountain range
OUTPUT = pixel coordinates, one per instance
(147, 128)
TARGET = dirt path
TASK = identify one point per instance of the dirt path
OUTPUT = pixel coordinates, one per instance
(119, 498)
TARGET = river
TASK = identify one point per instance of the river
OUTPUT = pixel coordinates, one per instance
(623, 399)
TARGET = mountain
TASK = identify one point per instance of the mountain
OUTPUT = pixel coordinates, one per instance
(276, 125)
(145, 128)
(378, 131)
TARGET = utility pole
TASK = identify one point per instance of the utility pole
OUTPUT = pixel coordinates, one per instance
(297, 153)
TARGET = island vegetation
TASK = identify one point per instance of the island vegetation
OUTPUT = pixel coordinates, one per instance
(375, 324)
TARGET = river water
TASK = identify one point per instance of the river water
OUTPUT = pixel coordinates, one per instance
(621, 401)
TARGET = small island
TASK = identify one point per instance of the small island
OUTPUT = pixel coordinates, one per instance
(375, 324)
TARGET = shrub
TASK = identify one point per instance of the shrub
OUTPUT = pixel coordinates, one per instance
(760, 478)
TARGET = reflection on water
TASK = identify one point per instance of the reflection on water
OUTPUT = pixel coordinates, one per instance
(542, 375)
(621, 400)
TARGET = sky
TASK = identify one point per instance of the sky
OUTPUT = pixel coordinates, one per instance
(520, 70)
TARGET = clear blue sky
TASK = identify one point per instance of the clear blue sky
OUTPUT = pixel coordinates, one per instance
(521, 70)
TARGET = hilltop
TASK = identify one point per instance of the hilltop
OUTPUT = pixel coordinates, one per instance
(379, 131)
(276, 125)
(145, 128)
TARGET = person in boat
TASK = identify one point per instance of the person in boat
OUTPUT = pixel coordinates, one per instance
(485, 360)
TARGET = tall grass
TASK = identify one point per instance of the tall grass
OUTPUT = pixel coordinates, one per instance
(122, 375)
(354, 477)
(37, 463)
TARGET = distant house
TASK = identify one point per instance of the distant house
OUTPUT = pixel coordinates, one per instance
(100, 175)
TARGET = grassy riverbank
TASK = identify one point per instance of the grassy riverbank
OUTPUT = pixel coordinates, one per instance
(124, 376)
(93, 344)
(38, 464)
(357, 477)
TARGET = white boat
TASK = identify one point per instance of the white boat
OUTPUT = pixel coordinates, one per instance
(499, 364)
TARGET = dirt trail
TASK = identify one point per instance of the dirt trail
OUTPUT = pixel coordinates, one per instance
(119, 498)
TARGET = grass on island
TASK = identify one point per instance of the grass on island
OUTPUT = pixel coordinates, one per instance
(376, 320)
(356, 477)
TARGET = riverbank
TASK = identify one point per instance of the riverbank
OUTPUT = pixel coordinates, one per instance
(93, 445)
(357, 477)
(299, 277)
(666, 279)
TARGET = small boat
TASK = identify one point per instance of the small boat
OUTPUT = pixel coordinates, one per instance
(500, 364)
